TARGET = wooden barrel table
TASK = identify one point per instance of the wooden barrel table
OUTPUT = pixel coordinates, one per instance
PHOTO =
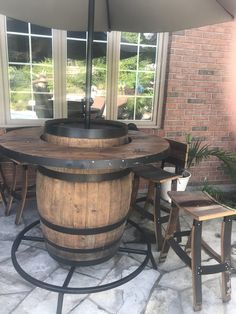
(84, 182)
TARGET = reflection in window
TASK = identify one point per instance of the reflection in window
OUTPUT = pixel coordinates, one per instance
(30, 70)
(133, 94)
(76, 71)
(138, 53)
(18, 48)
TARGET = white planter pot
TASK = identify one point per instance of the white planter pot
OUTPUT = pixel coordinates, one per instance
(181, 184)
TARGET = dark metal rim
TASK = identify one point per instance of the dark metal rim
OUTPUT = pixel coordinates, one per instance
(61, 127)
(82, 290)
(75, 263)
(84, 164)
(83, 251)
(74, 177)
(86, 231)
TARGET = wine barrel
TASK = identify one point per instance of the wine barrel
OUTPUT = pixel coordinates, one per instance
(83, 212)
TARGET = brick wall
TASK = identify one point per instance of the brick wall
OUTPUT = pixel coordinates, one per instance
(201, 92)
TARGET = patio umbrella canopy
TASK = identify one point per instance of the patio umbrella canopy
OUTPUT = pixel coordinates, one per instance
(122, 15)
(105, 151)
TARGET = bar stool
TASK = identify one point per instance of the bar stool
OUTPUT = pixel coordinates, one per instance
(200, 207)
(178, 155)
(10, 172)
(4, 188)
(25, 191)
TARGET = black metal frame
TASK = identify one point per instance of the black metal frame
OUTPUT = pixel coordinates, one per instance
(84, 231)
(85, 177)
(61, 290)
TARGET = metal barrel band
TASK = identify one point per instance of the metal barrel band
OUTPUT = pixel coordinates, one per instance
(75, 263)
(72, 128)
(83, 251)
(83, 231)
(74, 177)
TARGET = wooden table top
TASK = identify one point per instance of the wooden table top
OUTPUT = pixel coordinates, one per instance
(26, 145)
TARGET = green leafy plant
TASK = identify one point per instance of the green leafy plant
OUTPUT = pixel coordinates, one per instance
(226, 198)
(199, 152)
(213, 191)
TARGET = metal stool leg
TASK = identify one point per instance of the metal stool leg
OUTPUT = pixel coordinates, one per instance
(196, 265)
(24, 190)
(174, 188)
(157, 216)
(225, 257)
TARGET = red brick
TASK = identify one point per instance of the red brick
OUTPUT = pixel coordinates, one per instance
(206, 48)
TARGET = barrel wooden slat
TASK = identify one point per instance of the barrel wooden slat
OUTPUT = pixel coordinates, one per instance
(83, 205)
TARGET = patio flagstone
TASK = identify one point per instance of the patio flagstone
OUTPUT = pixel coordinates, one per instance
(211, 299)
(166, 291)
(165, 300)
(9, 301)
(89, 307)
(43, 301)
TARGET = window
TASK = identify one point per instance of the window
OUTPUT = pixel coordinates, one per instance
(138, 55)
(76, 72)
(44, 72)
(30, 70)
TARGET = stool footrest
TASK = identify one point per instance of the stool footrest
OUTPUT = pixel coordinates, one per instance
(143, 212)
(211, 252)
(185, 233)
(141, 199)
(213, 269)
(180, 252)
(202, 270)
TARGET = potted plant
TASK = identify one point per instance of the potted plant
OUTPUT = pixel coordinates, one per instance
(197, 153)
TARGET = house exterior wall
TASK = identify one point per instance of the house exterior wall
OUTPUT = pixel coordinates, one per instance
(201, 93)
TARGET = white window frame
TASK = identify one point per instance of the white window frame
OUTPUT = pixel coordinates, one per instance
(113, 73)
(59, 55)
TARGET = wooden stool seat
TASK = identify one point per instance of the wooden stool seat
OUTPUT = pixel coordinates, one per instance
(154, 174)
(201, 207)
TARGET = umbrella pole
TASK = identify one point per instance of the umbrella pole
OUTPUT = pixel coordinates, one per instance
(89, 59)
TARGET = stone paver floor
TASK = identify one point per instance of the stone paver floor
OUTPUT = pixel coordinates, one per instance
(162, 291)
